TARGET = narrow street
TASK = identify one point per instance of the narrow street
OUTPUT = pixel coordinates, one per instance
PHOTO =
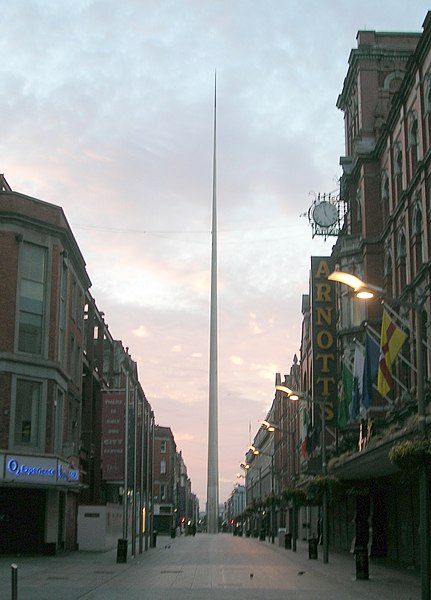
(219, 567)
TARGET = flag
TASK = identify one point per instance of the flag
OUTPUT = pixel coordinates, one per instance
(392, 338)
(304, 432)
(313, 437)
(358, 378)
(345, 397)
(371, 367)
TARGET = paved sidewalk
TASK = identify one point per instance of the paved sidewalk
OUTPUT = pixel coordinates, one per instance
(204, 567)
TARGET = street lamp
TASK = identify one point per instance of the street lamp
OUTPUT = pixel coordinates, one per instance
(295, 396)
(366, 291)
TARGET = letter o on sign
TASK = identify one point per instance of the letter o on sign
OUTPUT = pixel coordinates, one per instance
(325, 340)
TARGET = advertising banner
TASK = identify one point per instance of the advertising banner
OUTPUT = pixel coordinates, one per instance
(113, 432)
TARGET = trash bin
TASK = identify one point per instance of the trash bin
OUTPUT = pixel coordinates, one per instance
(50, 549)
(262, 535)
(312, 548)
(154, 539)
(281, 534)
(288, 541)
(122, 551)
(361, 556)
(173, 532)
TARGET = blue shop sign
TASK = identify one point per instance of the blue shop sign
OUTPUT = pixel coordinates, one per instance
(31, 469)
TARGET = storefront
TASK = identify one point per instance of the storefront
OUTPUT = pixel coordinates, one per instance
(38, 502)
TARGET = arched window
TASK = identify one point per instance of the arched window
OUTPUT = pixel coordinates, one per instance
(401, 260)
(413, 138)
(388, 277)
(358, 209)
(398, 171)
(384, 192)
(417, 231)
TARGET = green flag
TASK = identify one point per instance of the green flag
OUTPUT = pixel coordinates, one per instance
(345, 397)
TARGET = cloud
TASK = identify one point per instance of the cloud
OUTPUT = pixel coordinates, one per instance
(108, 111)
(237, 360)
(141, 331)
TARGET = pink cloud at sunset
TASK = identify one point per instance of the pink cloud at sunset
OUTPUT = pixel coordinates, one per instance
(107, 111)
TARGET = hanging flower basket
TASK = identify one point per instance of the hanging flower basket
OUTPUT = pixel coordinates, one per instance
(295, 495)
(408, 455)
(321, 484)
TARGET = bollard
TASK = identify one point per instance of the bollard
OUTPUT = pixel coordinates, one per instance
(14, 569)
(121, 551)
(361, 554)
(312, 548)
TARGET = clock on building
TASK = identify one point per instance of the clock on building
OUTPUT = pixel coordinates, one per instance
(325, 214)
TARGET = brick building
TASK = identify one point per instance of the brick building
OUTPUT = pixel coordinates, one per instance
(44, 285)
(76, 429)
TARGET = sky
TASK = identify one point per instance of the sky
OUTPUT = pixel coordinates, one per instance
(107, 111)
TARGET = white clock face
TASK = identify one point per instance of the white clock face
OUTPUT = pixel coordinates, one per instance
(325, 214)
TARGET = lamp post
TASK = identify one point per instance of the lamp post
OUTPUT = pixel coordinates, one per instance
(366, 291)
(295, 396)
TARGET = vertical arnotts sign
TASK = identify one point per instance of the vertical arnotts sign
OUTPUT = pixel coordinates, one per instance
(323, 321)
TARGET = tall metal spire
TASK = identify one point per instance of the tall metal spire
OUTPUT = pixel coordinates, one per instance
(213, 481)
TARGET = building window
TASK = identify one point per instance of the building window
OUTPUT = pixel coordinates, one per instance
(163, 446)
(418, 235)
(32, 298)
(73, 300)
(59, 416)
(359, 208)
(402, 260)
(385, 194)
(398, 171)
(62, 314)
(388, 268)
(162, 467)
(413, 142)
(163, 492)
(27, 413)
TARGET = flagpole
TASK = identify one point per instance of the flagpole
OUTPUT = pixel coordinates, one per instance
(213, 483)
